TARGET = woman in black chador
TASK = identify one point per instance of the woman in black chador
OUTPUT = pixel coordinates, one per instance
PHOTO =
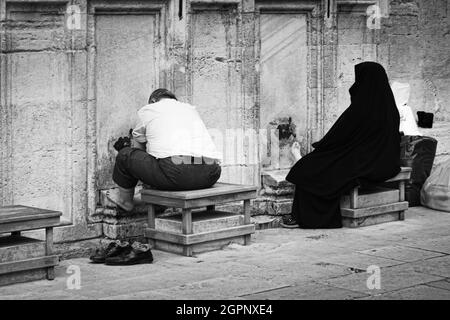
(361, 148)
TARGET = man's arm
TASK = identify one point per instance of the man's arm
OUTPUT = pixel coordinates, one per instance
(138, 137)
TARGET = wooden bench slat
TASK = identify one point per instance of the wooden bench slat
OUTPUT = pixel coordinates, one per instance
(197, 202)
(29, 264)
(29, 225)
(189, 239)
(365, 212)
(219, 189)
(19, 213)
(377, 197)
(404, 174)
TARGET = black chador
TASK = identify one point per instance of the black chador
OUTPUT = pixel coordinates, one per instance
(361, 148)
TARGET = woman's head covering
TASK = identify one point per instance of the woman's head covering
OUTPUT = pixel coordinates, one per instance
(372, 93)
(368, 75)
(372, 109)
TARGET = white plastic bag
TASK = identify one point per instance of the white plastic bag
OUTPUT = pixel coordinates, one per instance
(435, 193)
(408, 123)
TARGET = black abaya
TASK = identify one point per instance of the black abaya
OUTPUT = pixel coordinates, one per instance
(362, 147)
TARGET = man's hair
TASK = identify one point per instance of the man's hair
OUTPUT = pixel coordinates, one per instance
(159, 94)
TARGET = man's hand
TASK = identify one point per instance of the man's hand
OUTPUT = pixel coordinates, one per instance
(121, 143)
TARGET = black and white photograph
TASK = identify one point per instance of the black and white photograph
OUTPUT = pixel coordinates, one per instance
(218, 157)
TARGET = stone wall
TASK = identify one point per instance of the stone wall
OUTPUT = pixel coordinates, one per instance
(73, 74)
(416, 48)
(412, 43)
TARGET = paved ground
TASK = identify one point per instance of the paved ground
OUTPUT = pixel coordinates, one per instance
(414, 257)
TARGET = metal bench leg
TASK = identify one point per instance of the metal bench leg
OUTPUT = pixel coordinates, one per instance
(186, 225)
(49, 251)
(247, 219)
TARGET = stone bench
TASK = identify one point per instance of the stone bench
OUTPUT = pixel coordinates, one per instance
(22, 258)
(376, 205)
(193, 230)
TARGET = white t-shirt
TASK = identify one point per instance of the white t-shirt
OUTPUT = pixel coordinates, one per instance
(173, 128)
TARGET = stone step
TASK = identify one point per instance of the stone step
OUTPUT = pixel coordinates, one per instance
(273, 206)
(262, 222)
(274, 182)
(373, 197)
(202, 221)
(104, 201)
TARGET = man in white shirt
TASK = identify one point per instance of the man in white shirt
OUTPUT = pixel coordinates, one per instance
(172, 150)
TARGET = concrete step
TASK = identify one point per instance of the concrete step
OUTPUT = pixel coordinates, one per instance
(202, 221)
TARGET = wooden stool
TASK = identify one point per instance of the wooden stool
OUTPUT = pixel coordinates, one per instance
(378, 205)
(212, 230)
(22, 258)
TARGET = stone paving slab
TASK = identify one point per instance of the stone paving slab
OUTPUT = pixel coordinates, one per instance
(225, 287)
(99, 281)
(439, 266)
(401, 253)
(361, 261)
(392, 278)
(306, 291)
(441, 244)
(442, 284)
(160, 279)
(152, 295)
(421, 292)
(299, 272)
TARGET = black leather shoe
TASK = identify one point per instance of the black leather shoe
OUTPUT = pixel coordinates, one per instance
(135, 254)
(289, 222)
(113, 249)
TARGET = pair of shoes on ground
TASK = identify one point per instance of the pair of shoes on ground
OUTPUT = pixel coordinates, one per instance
(122, 253)
(289, 222)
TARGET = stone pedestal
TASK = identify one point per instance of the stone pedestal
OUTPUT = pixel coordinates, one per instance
(276, 195)
(119, 224)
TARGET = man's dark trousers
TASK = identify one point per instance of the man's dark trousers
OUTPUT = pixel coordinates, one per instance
(172, 173)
